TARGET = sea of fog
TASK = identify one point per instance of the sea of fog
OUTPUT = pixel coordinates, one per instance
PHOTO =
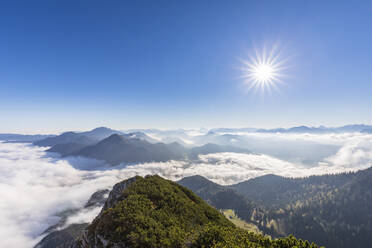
(35, 186)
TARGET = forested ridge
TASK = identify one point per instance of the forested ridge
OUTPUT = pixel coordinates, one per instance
(154, 212)
(331, 210)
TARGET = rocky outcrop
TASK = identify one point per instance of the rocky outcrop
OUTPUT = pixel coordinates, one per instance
(67, 237)
(58, 236)
(95, 240)
(63, 238)
(116, 193)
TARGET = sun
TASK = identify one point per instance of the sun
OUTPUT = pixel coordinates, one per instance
(263, 71)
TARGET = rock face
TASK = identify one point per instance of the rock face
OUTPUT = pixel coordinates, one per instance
(116, 193)
(114, 197)
(97, 199)
(89, 240)
(65, 237)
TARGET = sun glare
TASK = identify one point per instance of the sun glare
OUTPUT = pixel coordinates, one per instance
(263, 71)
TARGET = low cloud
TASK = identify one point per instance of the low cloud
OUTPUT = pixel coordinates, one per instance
(35, 187)
(85, 215)
(356, 153)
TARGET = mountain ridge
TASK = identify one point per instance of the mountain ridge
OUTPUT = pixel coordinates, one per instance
(333, 210)
(154, 212)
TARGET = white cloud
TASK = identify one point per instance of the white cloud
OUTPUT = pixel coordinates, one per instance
(85, 215)
(356, 153)
(34, 188)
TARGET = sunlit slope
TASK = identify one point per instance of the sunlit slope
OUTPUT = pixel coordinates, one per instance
(154, 212)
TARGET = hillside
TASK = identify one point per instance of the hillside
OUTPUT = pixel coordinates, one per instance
(154, 212)
(333, 210)
(223, 198)
(67, 148)
(337, 217)
(272, 190)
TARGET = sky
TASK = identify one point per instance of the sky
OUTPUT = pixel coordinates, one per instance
(76, 65)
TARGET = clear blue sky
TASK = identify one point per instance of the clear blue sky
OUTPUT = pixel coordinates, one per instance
(70, 65)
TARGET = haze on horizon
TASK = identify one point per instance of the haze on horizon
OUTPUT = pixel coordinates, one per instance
(75, 66)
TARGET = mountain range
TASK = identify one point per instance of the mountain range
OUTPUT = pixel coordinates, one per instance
(321, 129)
(24, 138)
(154, 212)
(295, 129)
(116, 147)
(83, 138)
(178, 135)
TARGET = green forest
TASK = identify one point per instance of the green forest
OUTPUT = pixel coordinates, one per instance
(331, 210)
(154, 212)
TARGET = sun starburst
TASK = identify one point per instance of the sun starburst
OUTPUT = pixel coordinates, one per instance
(263, 71)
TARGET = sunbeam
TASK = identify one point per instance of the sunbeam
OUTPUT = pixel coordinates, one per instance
(263, 71)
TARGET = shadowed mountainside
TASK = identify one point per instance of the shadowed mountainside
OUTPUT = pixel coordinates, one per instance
(333, 210)
(83, 138)
(118, 149)
(128, 148)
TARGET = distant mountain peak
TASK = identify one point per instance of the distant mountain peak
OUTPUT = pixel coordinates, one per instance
(68, 133)
(101, 128)
(114, 138)
(104, 129)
